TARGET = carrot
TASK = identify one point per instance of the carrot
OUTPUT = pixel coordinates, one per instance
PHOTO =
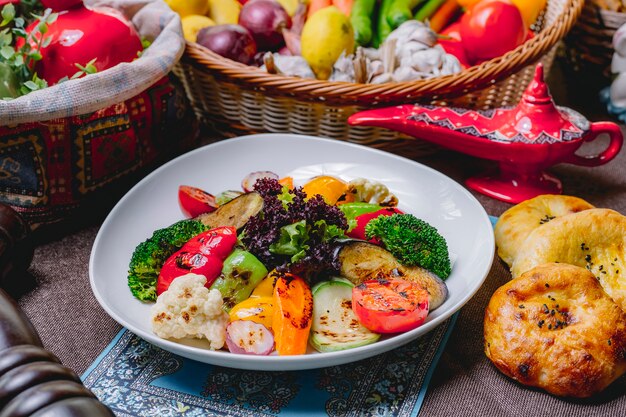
(444, 14)
(293, 315)
(344, 5)
(427, 9)
(316, 5)
(286, 182)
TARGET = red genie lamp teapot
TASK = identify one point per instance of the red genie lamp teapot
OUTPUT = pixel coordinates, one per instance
(525, 140)
(81, 34)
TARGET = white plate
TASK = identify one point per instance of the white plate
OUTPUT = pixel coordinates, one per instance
(152, 203)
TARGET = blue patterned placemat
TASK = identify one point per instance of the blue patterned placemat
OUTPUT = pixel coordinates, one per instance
(136, 378)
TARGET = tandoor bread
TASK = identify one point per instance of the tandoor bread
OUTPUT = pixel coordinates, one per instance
(515, 224)
(556, 329)
(594, 239)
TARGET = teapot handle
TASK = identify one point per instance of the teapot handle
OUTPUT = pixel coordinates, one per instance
(615, 145)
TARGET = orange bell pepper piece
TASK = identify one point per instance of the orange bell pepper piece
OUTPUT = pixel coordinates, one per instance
(293, 315)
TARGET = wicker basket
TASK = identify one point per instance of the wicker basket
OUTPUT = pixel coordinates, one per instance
(589, 46)
(247, 99)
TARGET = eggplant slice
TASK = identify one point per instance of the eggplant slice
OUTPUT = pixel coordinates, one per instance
(235, 213)
(361, 261)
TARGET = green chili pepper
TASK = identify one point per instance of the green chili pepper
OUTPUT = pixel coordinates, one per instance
(361, 19)
(428, 9)
(384, 28)
(401, 11)
(9, 87)
(241, 272)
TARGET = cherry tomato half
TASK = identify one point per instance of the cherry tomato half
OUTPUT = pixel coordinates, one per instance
(390, 306)
(193, 201)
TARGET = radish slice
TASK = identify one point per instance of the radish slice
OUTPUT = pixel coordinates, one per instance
(248, 182)
(248, 337)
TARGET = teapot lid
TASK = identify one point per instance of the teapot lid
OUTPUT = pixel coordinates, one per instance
(537, 119)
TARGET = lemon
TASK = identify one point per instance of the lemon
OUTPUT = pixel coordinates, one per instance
(224, 12)
(325, 36)
(193, 23)
(187, 7)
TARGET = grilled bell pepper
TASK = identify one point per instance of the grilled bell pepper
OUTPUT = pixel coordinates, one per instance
(241, 273)
(203, 254)
(358, 232)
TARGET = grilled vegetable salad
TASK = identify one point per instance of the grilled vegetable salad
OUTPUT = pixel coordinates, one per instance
(330, 265)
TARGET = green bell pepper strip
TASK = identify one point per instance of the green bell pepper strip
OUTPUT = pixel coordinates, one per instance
(241, 273)
(354, 210)
(361, 19)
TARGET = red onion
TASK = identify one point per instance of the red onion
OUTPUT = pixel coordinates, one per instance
(265, 19)
(248, 337)
(248, 182)
(230, 41)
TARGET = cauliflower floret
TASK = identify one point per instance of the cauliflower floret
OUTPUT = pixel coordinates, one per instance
(189, 309)
(373, 192)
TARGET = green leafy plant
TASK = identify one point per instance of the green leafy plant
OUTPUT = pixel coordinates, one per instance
(21, 60)
(21, 50)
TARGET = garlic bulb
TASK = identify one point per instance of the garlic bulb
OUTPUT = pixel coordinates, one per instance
(291, 66)
(409, 53)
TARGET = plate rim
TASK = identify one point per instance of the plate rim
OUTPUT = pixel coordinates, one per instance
(296, 362)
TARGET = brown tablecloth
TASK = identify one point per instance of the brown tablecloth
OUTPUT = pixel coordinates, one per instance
(74, 326)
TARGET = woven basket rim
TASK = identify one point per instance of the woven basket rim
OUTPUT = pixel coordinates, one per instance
(473, 78)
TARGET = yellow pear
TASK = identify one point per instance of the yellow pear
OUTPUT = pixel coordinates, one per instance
(325, 36)
(193, 23)
(188, 7)
(224, 12)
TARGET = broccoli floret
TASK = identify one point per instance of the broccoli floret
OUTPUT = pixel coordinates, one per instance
(412, 241)
(150, 255)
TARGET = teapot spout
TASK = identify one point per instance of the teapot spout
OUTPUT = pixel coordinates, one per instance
(393, 118)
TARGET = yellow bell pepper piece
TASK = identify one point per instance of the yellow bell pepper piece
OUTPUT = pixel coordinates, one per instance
(530, 9)
(266, 287)
(330, 188)
(259, 310)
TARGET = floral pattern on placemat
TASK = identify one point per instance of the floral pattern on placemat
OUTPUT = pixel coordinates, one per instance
(135, 378)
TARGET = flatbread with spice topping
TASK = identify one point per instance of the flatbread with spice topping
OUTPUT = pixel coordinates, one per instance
(594, 239)
(519, 221)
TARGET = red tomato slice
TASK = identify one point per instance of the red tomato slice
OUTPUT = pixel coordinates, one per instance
(390, 306)
(193, 201)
